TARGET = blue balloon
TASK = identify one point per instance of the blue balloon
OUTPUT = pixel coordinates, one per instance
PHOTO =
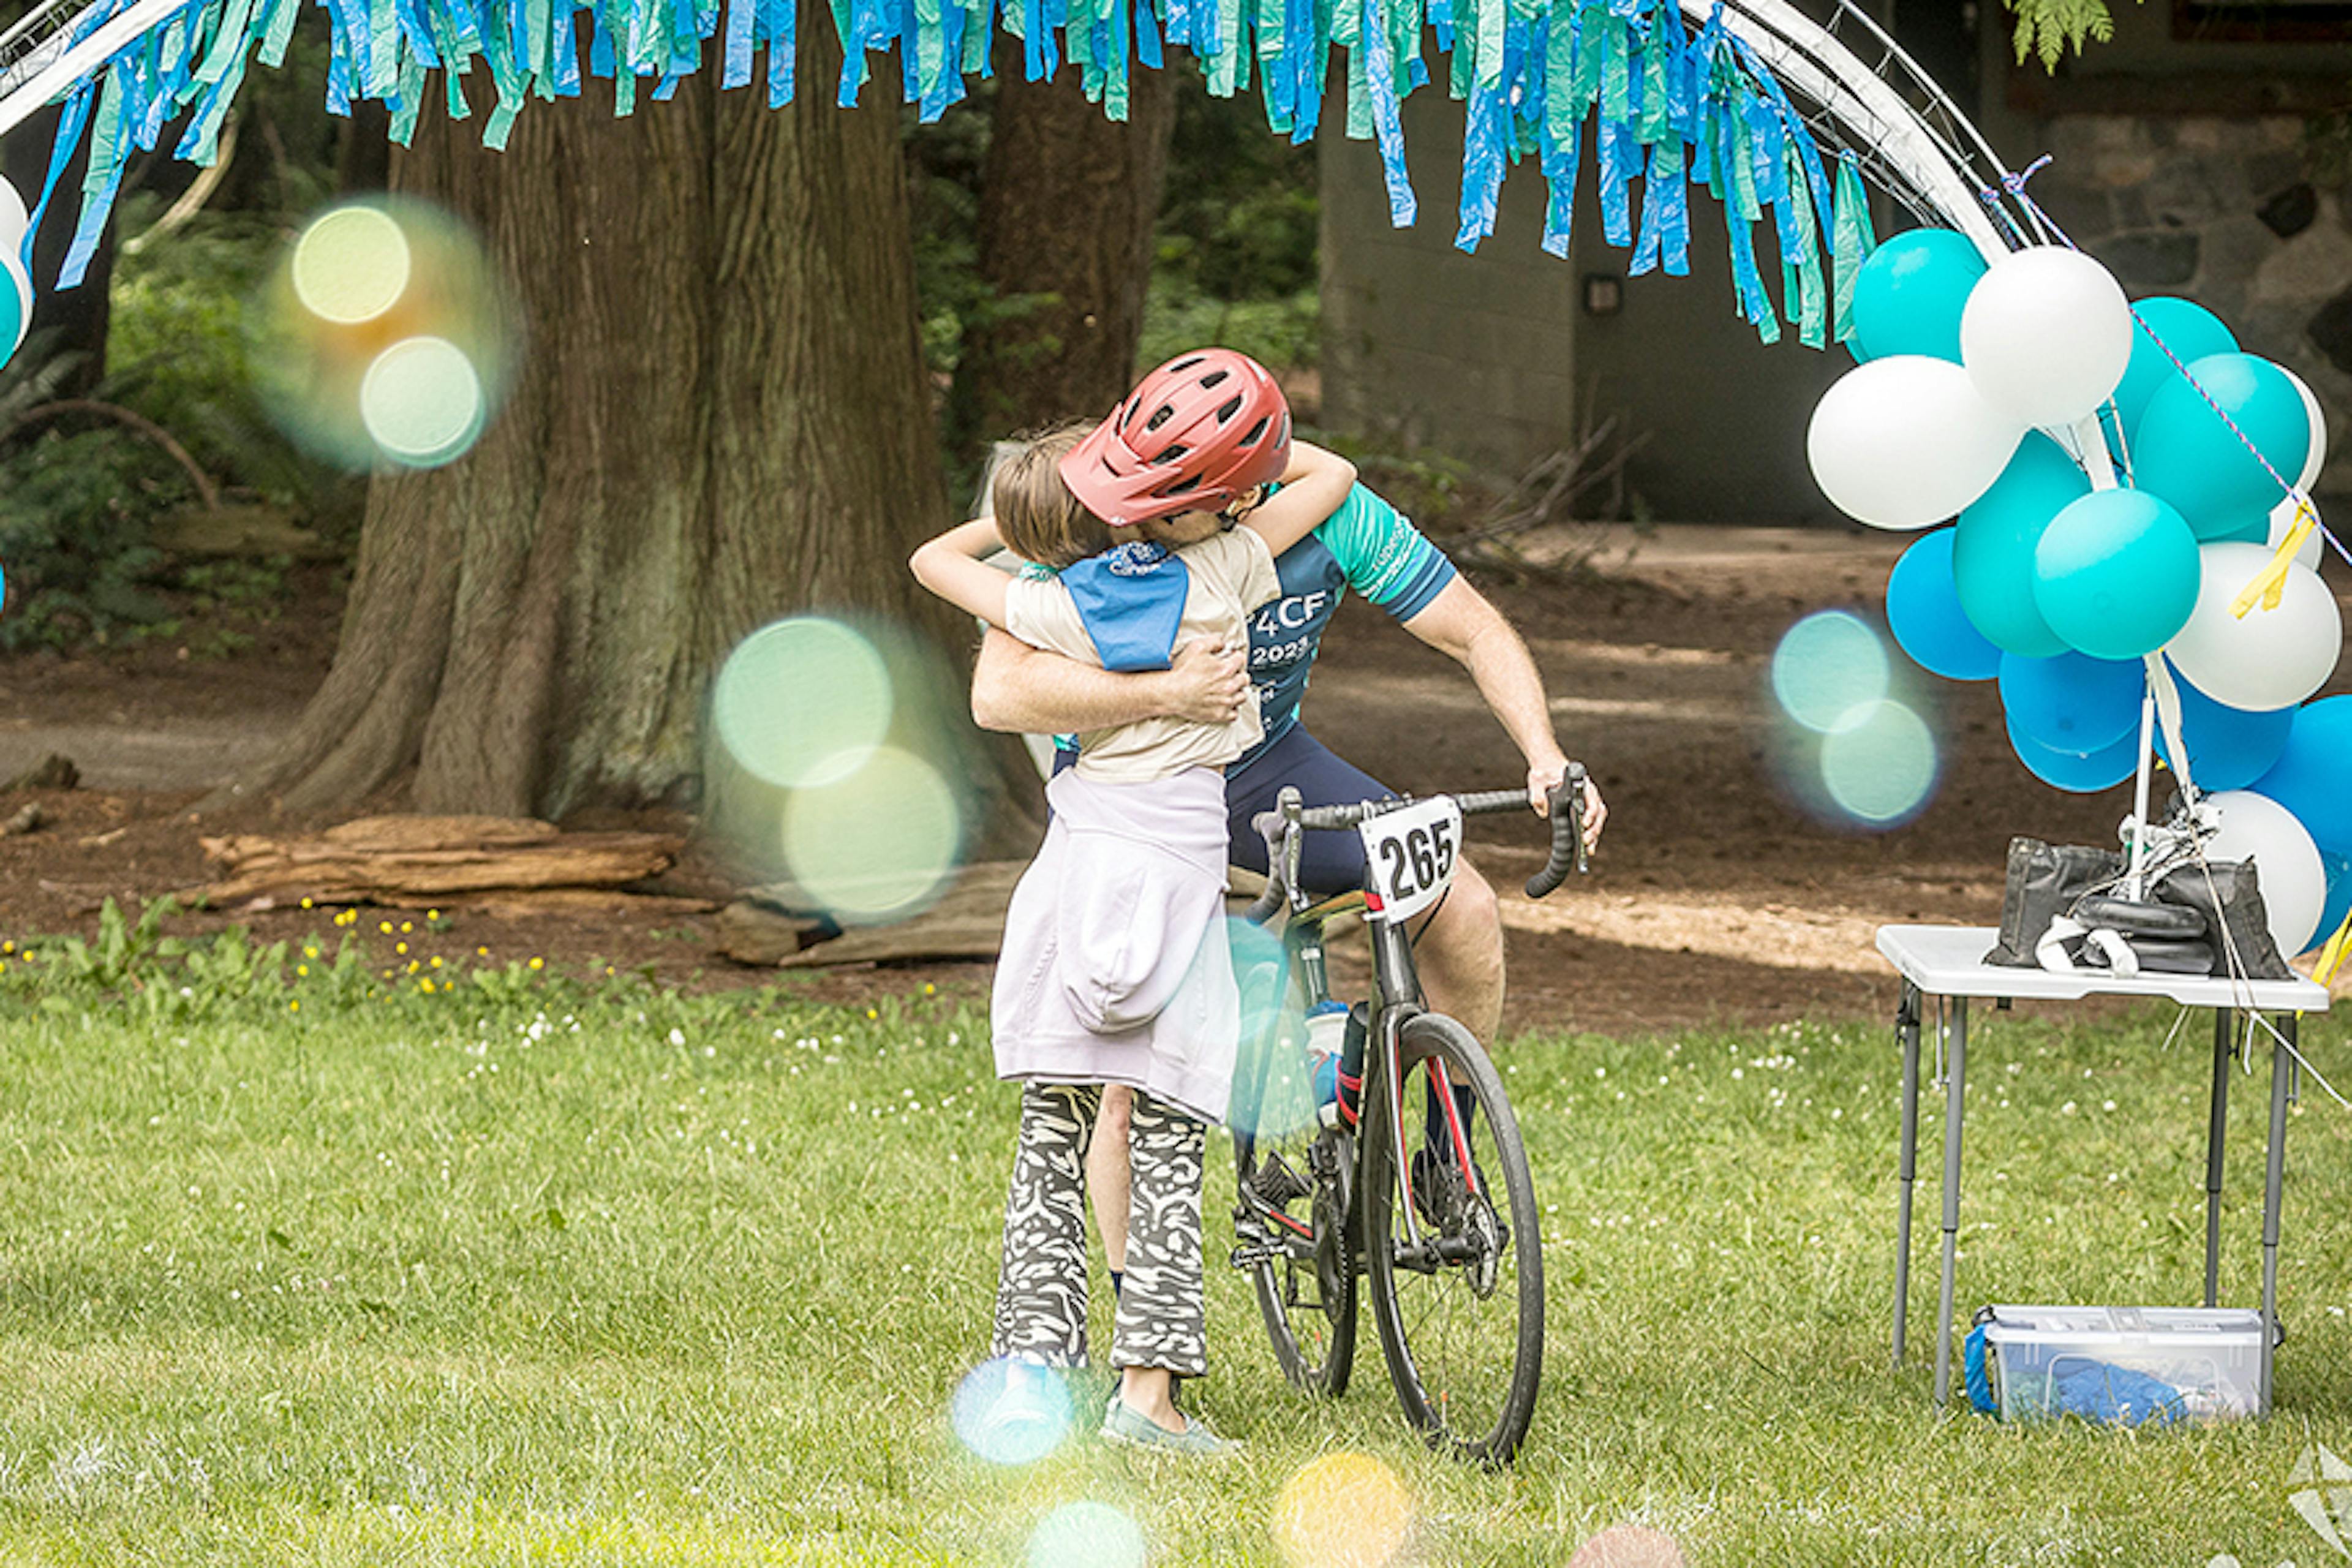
(2116, 573)
(2073, 702)
(1908, 296)
(1992, 548)
(2182, 451)
(2309, 777)
(2228, 748)
(1923, 611)
(2103, 769)
(2189, 330)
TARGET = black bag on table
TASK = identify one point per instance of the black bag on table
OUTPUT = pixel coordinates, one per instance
(2174, 932)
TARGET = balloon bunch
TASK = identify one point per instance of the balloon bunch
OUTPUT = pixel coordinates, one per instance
(2011, 395)
(16, 291)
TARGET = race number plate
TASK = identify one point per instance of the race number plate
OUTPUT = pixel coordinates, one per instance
(1413, 852)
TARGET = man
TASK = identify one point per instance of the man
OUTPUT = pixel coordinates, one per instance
(1367, 546)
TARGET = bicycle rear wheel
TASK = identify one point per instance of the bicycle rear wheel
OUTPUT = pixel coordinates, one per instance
(1458, 1295)
(1304, 1263)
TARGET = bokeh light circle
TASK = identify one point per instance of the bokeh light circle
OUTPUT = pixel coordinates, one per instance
(1087, 1535)
(350, 265)
(878, 844)
(1273, 1094)
(422, 401)
(1629, 1546)
(1343, 1510)
(1879, 762)
(803, 702)
(1827, 665)
(384, 333)
(1009, 1411)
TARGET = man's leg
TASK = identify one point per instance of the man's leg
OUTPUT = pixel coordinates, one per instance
(1108, 1177)
(1460, 956)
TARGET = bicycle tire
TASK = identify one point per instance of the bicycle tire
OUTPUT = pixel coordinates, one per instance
(1309, 1305)
(1466, 1365)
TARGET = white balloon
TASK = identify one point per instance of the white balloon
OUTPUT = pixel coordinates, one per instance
(2272, 659)
(1907, 441)
(2286, 863)
(2283, 520)
(14, 220)
(2046, 335)
(2317, 458)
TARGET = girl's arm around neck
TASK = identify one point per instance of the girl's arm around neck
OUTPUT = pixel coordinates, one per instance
(1316, 485)
(950, 566)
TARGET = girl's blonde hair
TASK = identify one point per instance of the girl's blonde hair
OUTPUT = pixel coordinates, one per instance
(1036, 514)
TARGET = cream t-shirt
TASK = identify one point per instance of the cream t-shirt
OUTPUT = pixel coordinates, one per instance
(1227, 576)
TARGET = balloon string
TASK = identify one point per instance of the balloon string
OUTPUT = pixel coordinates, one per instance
(2331, 958)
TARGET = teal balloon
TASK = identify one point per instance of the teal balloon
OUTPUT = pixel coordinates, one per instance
(2116, 573)
(1923, 611)
(2310, 777)
(1908, 296)
(2182, 451)
(2189, 330)
(2103, 769)
(2073, 702)
(1992, 547)
(2228, 748)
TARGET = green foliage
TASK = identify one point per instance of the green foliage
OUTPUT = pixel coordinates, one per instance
(76, 512)
(181, 345)
(2048, 29)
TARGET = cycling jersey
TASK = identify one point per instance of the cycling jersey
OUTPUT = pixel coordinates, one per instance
(1366, 545)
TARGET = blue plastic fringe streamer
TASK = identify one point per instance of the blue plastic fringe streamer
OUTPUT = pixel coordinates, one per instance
(1671, 105)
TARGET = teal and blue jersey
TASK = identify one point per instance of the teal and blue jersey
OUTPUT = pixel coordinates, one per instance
(1367, 545)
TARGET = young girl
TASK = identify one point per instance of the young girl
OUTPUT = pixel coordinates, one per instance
(1114, 967)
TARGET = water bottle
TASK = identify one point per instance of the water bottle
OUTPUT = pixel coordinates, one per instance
(1326, 1029)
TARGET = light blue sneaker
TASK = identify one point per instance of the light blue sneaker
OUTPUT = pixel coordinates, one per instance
(1130, 1428)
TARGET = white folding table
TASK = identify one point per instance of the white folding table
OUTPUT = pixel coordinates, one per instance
(1947, 962)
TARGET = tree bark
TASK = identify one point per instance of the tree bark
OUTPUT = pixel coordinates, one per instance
(1068, 201)
(720, 418)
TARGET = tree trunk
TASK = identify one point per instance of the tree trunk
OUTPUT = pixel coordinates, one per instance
(719, 419)
(1067, 203)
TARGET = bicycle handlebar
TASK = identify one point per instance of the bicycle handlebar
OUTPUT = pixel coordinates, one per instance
(1281, 827)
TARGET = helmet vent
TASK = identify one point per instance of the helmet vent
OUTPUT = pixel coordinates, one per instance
(1255, 431)
(1160, 416)
(1230, 407)
(1216, 378)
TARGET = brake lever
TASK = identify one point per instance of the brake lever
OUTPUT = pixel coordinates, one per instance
(1565, 801)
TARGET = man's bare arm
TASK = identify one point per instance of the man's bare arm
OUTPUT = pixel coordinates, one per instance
(1462, 623)
(1026, 691)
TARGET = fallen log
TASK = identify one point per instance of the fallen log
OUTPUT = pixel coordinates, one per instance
(401, 859)
(968, 922)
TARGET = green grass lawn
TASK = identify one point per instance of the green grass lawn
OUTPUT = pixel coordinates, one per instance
(519, 1273)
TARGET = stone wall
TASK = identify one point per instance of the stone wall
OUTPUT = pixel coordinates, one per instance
(2221, 211)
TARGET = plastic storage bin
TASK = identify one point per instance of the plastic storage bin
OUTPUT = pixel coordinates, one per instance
(2124, 1366)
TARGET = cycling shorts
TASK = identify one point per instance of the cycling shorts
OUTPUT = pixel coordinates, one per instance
(1329, 862)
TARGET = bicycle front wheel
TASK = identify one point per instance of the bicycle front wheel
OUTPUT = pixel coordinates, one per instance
(1457, 1281)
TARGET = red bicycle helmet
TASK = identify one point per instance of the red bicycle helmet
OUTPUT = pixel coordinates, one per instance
(1202, 428)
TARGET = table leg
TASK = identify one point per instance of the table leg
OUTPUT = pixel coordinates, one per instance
(2224, 1031)
(2273, 1185)
(1907, 1035)
(1953, 1088)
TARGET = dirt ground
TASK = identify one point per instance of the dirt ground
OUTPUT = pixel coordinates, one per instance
(1717, 898)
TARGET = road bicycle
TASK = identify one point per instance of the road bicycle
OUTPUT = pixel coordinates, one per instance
(1427, 1199)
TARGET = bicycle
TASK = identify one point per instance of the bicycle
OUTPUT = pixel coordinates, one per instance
(1457, 1282)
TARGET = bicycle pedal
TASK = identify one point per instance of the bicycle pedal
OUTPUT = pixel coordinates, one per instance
(1247, 1257)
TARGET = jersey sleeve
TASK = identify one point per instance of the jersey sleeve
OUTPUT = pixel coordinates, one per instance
(1040, 612)
(1383, 556)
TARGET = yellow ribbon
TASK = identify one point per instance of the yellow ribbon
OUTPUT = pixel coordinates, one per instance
(2270, 583)
(2332, 956)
